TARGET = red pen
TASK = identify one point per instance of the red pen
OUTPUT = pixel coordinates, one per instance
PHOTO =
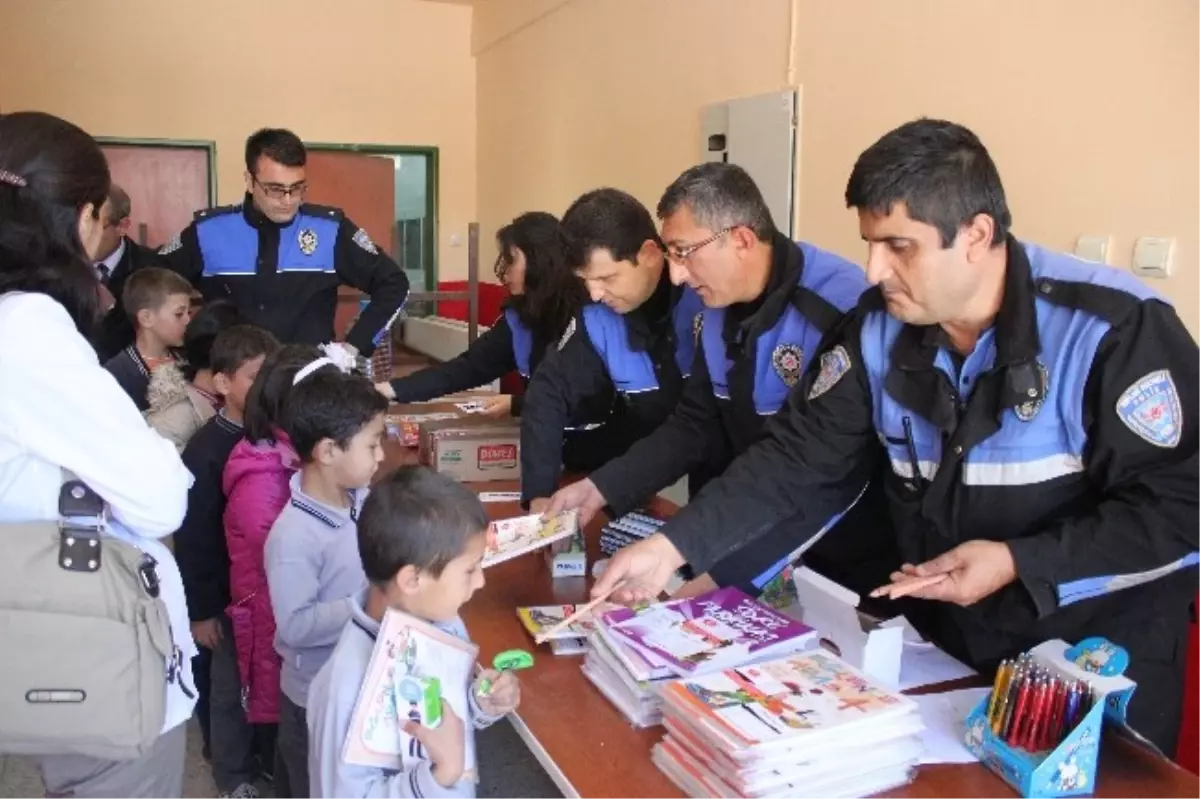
(1050, 735)
(1019, 712)
(1037, 707)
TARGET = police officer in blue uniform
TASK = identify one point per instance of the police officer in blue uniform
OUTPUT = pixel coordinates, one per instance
(1036, 415)
(636, 341)
(280, 260)
(769, 301)
(545, 295)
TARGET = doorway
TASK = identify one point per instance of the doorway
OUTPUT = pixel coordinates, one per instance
(167, 182)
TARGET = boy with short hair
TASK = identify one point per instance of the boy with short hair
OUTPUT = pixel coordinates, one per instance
(158, 302)
(421, 538)
(237, 354)
(336, 424)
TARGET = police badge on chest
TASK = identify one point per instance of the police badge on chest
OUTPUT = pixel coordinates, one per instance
(788, 359)
(307, 239)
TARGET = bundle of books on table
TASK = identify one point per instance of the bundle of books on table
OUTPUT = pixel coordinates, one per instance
(635, 651)
(570, 640)
(806, 724)
(629, 529)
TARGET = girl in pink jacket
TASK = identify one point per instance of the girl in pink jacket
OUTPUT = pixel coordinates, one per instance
(256, 487)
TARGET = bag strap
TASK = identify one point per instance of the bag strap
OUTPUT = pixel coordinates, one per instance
(80, 523)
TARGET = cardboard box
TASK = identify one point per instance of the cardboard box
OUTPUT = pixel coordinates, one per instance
(472, 449)
(404, 420)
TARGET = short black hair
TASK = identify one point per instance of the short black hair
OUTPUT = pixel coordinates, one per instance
(939, 170)
(720, 196)
(330, 404)
(281, 146)
(237, 345)
(202, 332)
(266, 403)
(416, 517)
(608, 219)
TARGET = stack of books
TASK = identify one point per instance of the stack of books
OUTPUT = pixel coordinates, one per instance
(634, 652)
(628, 529)
(803, 725)
(570, 640)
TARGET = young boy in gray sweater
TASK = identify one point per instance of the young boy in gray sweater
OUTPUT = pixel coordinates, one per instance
(422, 539)
(336, 423)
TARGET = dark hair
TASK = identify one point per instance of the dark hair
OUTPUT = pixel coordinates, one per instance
(119, 204)
(281, 146)
(416, 517)
(148, 288)
(330, 404)
(61, 170)
(939, 170)
(607, 219)
(719, 196)
(552, 291)
(238, 344)
(266, 402)
(202, 332)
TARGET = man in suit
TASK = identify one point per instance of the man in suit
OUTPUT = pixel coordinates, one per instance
(117, 258)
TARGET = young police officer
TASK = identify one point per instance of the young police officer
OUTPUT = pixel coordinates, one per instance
(636, 341)
(281, 261)
(1038, 415)
(768, 301)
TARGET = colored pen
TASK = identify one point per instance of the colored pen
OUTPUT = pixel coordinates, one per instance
(998, 688)
(1010, 701)
(1020, 710)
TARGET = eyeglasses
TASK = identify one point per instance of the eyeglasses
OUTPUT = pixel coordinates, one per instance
(278, 192)
(680, 255)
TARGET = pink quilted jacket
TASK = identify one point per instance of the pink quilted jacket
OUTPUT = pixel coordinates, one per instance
(256, 486)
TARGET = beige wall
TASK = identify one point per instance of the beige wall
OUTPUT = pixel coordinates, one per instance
(1088, 106)
(586, 93)
(358, 71)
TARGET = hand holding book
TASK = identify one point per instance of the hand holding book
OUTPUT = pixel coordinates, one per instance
(445, 744)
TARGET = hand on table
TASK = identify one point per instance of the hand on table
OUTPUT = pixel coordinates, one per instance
(497, 407)
(639, 573)
(444, 744)
(582, 495)
(504, 694)
(969, 572)
(207, 633)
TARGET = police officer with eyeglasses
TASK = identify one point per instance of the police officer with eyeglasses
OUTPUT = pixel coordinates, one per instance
(281, 260)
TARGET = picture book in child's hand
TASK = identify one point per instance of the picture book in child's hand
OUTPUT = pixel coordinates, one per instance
(789, 698)
(411, 660)
(543, 617)
(509, 538)
(709, 632)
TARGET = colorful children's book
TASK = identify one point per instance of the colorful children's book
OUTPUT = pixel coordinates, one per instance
(509, 538)
(411, 660)
(542, 617)
(709, 632)
(779, 703)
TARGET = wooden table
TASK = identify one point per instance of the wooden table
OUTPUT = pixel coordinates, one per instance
(589, 749)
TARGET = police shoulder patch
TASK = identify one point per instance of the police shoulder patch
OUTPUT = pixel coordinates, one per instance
(566, 336)
(363, 240)
(1150, 407)
(171, 246)
(787, 360)
(834, 365)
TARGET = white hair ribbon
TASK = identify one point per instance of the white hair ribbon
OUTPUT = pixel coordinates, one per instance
(335, 355)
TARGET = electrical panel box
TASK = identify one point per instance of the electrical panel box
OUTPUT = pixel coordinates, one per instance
(758, 134)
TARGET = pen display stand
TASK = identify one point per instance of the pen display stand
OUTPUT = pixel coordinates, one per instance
(1068, 769)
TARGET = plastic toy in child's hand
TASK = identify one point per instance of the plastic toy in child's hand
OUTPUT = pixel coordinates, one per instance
(422, 696)
(509, 660)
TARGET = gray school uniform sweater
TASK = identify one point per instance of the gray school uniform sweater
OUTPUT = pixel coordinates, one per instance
(313, 571)
(331, 703)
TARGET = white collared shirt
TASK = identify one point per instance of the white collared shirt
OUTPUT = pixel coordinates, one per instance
(110, 263)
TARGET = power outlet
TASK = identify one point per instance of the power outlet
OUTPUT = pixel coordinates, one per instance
(1091, 247)
(1153, 256)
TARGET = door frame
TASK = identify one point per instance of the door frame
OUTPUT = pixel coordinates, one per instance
(210, 148)
(431, 189)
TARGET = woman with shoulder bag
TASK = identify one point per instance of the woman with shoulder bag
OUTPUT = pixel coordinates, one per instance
(59, 409)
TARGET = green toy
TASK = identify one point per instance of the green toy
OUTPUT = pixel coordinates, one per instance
(508, 660)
